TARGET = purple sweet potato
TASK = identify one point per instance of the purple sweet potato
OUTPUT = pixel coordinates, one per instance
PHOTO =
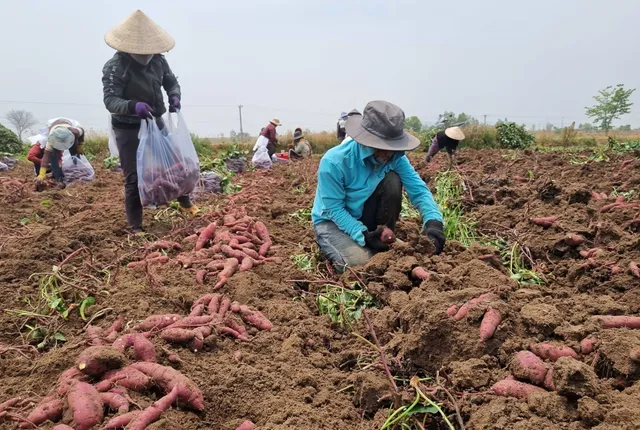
(115, 402)
(255, 318)
(490, 323)
(465, 308)
(588, 344)
(127, 377)
(168, 378)
(63, 427)
(191, 322)
(121, 421)
(552, 352)
(528, 366)
(157, 322)
(86, 405)
(96, 360)
(177, 335)
(66, 378)
(50, 408)
(153, 412)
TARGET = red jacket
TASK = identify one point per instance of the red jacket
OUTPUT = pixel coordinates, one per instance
(36, 152)
(270, 133)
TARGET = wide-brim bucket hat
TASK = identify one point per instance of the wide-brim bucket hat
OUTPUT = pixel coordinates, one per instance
(275, 122)
(381, 126)
(298, 134)
(138, 34)
(454, 133)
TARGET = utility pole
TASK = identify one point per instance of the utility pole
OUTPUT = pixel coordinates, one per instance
(485, 118)
(562, 122)
(240, 111)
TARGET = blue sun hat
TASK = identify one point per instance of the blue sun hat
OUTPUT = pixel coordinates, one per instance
(61, 138)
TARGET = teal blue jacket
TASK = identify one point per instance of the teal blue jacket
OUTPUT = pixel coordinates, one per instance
(349, 174)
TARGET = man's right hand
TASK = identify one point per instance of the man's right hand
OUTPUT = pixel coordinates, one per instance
(373, 240)
(428, 159)
(144, 111)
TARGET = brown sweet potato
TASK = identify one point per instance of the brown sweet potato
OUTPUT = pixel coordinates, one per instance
(528, 366)
(587, 345)
(255, 318)
(230, 267)
(573, 239)
(618, 321)
(86, 405)
(153, 412)
(115, 402)
(50, 408)
(121, 421)
(157, 322)
(552, 352)
(545, 222)
(206, 235)
(126, 377)
(420, 273)
(97, 360)
(517, 389)
(169, 378)
(489, 324)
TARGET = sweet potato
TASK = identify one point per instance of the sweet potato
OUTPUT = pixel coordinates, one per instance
(635, 355)
(62, 427)
(121, 420)
(465, 308)
(246, 425)
(158, 260)
(618, 321)
(126, 377)
(451, 310)
(97, 360)
(230, 267)
(573, 239)
(153, 255)
(420, 273)
(191, 238)
(191, 322)
(489, 324)
(545, 222)
(517, 389)
(387, 236)
(66, 378)
(138, 264)
(177, 335)
(198, 310)
(255, 318)
(143, 349)
(235, 307)
(205, 236)
(115, 402)
(246, 264)
(214, 304)
(164, 244)
(528, 366)
(50, 408)
(169, 378)
(250, 253)
(548, 381)
(94, 335)
(225, 305)
(157, 322)
(263, 234)
(8, 404)
(153, 412)
(552, 352)
(239, 328)
(215, 265)
(200, 275)
(633, 268)
(115, 327)
(590, 253)
(587, 345)
(86, 405)
(233, 253)
(203, 300)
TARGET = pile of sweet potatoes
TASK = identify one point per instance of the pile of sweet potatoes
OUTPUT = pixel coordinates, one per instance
(235, 242)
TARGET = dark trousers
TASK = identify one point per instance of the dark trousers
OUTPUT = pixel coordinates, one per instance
(384, 205)
(55, 166)
(271, 148)
(128, 142)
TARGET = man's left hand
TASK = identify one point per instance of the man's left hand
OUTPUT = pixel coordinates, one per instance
(174, 104)
(434, 230)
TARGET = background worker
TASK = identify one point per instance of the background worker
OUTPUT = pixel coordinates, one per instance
(300, 148)
(341, 132)
(132, 82)
(46, 152)
(360, 188)
(269, 132)
(447, 139)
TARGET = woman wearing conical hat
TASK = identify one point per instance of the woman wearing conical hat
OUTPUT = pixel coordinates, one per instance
(132, 82)
(447, 139)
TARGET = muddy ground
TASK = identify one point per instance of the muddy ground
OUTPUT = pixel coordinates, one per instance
(308, 373)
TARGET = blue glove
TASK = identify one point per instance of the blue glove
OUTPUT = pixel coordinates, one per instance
(174, 103)
(144, 111)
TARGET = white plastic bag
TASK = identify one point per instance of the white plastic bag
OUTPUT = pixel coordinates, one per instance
(167, 164)
(76, 168)
(261, 142)
(181, 138)
(113, 146)
(261, 158)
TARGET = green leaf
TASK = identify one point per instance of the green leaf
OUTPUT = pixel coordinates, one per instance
(59, 337)
(89, 301)
(422, 409)
(46, 203)
(25, 221)
(41, 344)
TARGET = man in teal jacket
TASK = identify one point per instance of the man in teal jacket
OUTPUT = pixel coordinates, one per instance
(360, 187)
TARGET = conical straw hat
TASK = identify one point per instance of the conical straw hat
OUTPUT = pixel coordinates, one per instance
(138, 34)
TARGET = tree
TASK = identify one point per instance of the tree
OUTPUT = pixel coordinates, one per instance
(586, 127)
(413, 123)
(9, 142)
(612, 103)
(233, 134)
(625, 127)
(21, 120)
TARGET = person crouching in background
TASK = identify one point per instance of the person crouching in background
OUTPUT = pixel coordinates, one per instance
(300, 148)
(447, 139)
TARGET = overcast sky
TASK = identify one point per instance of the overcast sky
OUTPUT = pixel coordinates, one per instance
(305, 61)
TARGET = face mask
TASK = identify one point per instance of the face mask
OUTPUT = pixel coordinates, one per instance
(142, 59)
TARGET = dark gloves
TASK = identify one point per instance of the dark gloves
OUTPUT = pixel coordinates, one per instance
(428, 159)
(434, 230)
(174, 103)
(373, 240)
(144, 111)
